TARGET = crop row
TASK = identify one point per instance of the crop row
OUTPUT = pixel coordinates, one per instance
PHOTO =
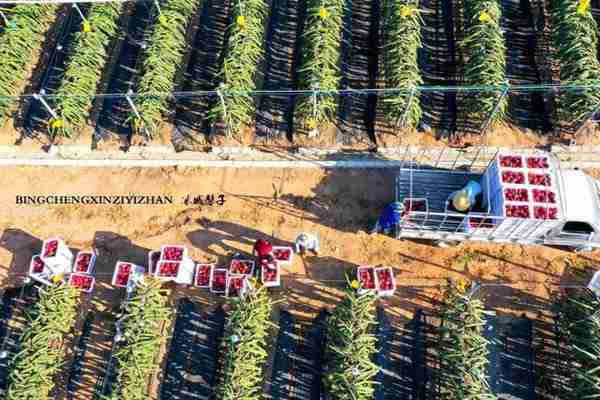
(350, 363)
(574, 33)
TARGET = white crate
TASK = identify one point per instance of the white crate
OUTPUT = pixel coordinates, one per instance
(61, 257)
(199, 267)
(213, 273)
(284, 248)
(594, 284)
(184, 252)
(93, 281)
(360, 270)
(385, 292)
(91, 263)
(271, 283)
(152, 265)
(135, 272)
(232, 277)
(249, 263)
(185, 275)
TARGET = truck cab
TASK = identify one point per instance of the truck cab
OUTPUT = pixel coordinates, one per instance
(526, 198)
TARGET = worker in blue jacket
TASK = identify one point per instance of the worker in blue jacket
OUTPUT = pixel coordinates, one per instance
(390, 218)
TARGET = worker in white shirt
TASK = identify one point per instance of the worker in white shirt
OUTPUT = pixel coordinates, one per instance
(307, 241)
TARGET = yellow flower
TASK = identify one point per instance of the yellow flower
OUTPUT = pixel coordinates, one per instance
(57, 123)
(241, 21)
(87, 27)
(583, 7)
(323, 13)
(354, 284)
(406, 11)
(461, 285)
(162, 19)
(484, 17)
(312, 123)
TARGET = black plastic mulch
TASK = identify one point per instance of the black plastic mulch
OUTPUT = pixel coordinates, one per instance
(16, 302)
(192, 360)
(403, 358)
(439, 64)
(282, 57)
(297, 365)
(356, 117)
(88, 355)
(521, 33)
(203, 68)
(107, 369)
(511, 369)
(115, 111)
(37, 115)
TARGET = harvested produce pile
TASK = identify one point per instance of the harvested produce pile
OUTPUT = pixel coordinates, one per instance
(402, 27)
(18, 47)
(463, 353)
(350, 348)
(42, 353)
(89, 55)
(485, 52)
(145, 314)
(162, 59)
(320, 66)
(243, 55)
(244, 347)
(575, 37)
(579, 323)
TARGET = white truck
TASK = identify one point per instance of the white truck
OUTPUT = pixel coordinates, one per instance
(526, 198)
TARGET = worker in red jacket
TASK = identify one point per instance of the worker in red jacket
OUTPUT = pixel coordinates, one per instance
(263, 249)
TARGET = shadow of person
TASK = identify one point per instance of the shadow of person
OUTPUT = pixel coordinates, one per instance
(220, 234)
(23, 246)
(327, 268)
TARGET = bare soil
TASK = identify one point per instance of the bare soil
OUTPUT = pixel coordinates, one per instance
(339, 206)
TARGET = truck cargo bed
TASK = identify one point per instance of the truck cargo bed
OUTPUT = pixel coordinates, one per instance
(433, 184)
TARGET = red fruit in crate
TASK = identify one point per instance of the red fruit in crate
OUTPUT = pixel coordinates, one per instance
(81, 282)
(219, 281)
(513, 177)
(203, 275)
(123, 274)
(539, 179)
(282, 254)
(173, 253)
(385, 279)
(511, 162)
(38, 265)
(83, 261)
(169, 269)
(242, 267)
(512, 194)
(537, 162)
(235, 286)
(269, 273)
(366, 278)
(51, 248)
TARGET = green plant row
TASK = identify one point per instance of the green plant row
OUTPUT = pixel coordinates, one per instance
(350, 348)
(574, 35)
(42, 354)
(18, 47)
(320, 65)
(485, 59)
(244, 347)
(463, 350)
(243, 56)
(579, 321)
(90, 52)
(145, 315)
(162, 59)
(402, 27)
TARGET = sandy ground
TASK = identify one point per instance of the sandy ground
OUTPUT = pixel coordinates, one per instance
(337, 205)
